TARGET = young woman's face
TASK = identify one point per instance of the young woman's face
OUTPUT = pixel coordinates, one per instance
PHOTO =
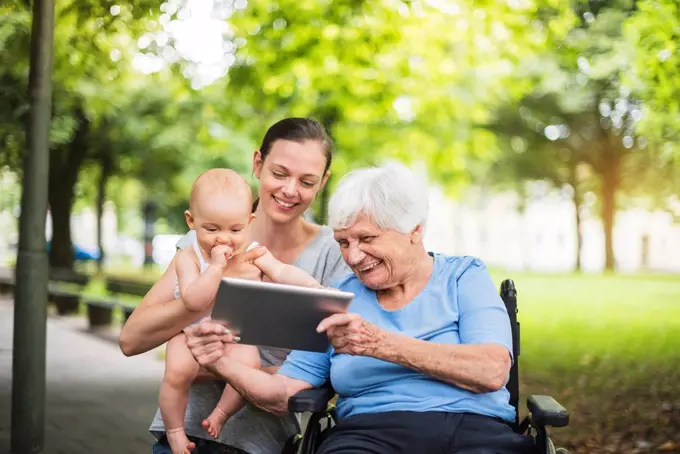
(290, 178)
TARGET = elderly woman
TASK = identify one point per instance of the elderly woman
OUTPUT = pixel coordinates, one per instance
(420, 360)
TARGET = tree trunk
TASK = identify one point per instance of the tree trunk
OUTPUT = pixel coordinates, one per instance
(610, 180)
(65, 164)
(105, 173)
(61, 251)
(577, 198)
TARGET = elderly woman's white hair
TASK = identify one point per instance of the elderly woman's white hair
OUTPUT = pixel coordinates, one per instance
(392, 196)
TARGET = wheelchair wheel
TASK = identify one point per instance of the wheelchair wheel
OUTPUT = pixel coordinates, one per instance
(551, 447)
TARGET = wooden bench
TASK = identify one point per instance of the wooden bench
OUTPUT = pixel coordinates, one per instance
(128, 287)
(66, 302)
(68, 276)
(127, 311)
(6, 283)
(100, 311)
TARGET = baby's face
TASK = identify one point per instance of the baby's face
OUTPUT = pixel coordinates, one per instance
(220, 220)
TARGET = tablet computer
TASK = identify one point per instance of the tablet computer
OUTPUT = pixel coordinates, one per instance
(278, 315)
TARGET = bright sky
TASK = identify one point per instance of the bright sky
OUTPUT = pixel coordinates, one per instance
(200, 35)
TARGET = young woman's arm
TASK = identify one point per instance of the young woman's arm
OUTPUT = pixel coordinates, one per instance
(160, 316)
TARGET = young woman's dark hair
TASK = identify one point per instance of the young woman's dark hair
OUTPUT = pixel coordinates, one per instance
(296, 130)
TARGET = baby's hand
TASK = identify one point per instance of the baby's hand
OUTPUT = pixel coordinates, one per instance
(219, 255)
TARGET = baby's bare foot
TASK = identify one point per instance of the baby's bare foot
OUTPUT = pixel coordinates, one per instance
(213, 423)
(178, 441)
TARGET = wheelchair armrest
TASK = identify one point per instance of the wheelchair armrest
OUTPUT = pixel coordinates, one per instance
(314, 400)
(546, 411)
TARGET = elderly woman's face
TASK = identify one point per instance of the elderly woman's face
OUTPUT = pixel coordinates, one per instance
(379, 258)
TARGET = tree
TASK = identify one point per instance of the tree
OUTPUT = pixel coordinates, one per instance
(654, 28)
(104, 112)
(585, 109)
(387, 79)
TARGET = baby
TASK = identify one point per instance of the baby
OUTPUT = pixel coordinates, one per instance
(219, 213)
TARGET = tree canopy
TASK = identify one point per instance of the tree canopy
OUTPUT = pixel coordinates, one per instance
(488, 93)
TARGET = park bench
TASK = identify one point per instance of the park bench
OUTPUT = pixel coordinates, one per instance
(127, 286)
(6, 281)
(66, 301)
(68, 276)
(100, 310)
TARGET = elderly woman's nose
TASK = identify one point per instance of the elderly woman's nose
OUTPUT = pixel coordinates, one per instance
(355, 255)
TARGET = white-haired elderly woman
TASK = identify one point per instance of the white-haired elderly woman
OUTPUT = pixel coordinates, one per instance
(420, 360)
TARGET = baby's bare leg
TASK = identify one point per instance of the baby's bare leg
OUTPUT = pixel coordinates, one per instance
(231, 401)
(180, 371)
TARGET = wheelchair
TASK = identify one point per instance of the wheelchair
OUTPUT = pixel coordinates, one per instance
(544, 411)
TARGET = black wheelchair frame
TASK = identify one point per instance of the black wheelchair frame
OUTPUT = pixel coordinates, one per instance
(544, 411)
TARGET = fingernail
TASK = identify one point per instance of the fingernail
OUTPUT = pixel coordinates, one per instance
(227, 330)
(237, 339)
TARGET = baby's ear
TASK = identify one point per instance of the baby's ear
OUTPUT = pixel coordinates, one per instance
(250, 219)
(190, 219)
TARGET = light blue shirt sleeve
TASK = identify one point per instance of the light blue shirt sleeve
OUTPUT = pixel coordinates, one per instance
(311, 367)
(483, 317)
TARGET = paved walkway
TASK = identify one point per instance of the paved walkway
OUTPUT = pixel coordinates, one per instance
(98, 401)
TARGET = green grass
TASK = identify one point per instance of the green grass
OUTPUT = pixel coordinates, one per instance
(608, 348)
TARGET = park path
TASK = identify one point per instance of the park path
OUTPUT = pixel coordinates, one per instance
(98, 401)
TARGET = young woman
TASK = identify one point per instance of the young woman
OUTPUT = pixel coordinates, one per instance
(292, 166)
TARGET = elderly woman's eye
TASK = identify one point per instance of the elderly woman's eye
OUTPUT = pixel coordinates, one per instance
(367, 239)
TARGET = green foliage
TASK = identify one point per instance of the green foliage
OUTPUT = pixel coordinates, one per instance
(655, 28)
(389, 79)
(412, 81)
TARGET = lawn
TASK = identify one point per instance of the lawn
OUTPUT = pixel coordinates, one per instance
(608, 349)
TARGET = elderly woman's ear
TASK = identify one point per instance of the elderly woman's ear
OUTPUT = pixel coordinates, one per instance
(417, 234)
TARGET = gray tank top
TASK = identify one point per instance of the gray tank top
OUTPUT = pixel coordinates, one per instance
(251, 429)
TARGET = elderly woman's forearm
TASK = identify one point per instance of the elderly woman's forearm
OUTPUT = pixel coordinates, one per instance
(478, 368)
(265, 391)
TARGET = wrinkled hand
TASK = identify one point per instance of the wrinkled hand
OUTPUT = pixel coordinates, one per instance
(206, 341)
(219, 255)
(351, 334)
(241, 266)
